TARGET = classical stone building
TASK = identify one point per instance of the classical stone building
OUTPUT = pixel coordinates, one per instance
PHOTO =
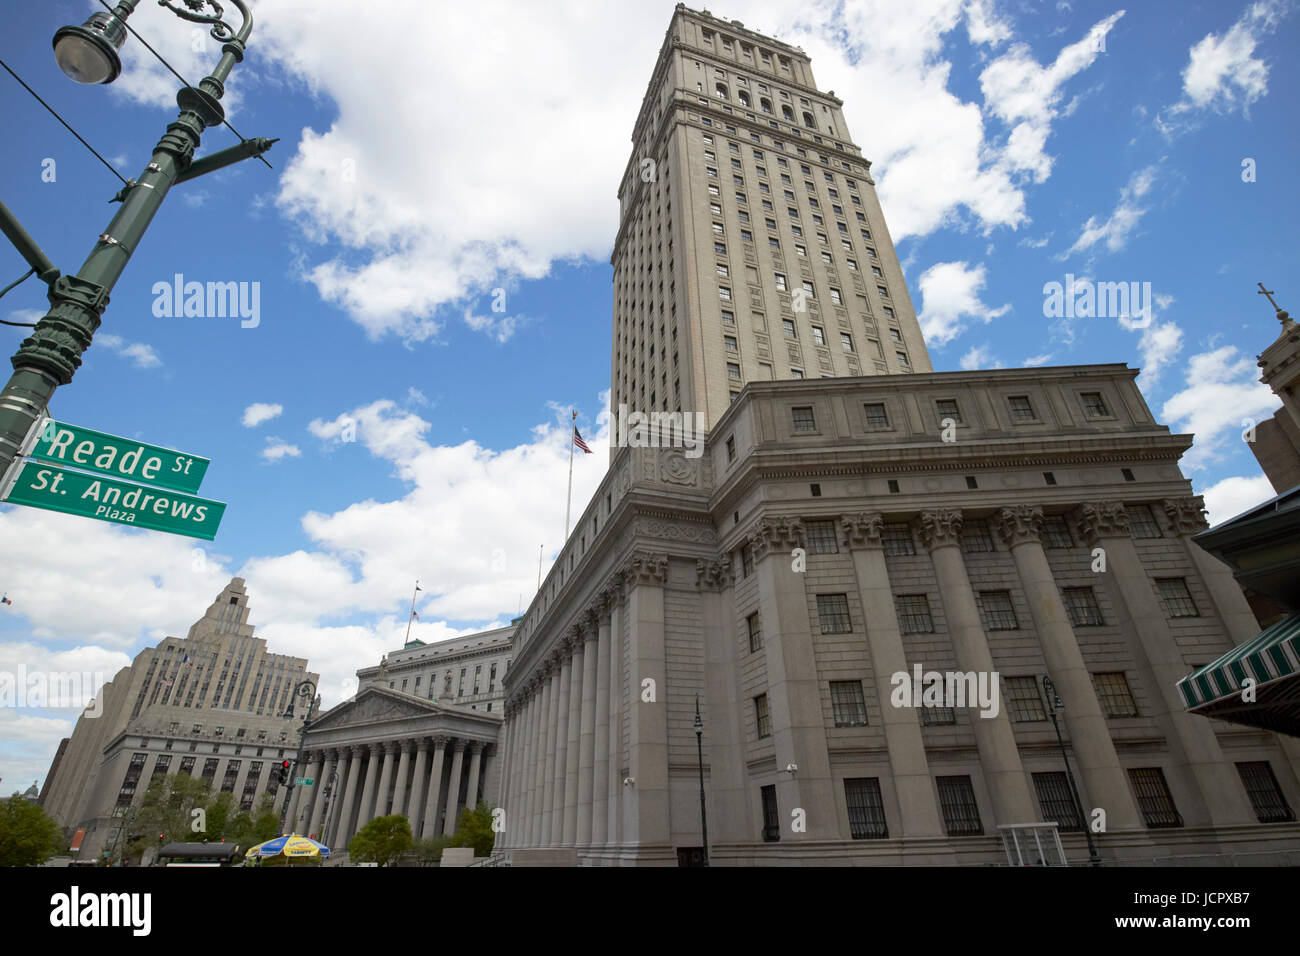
(1277, 440)
(208, 705)
(418, 740)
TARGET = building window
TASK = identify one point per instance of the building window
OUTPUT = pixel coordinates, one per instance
(998, 612)
(771, 815)
(938, 716)
(1094, 406)
(724, 293)
(846, 341)
(729, 343)
(1022, 410)
(896, 536)
(755, 633)
(780, 281)
(1081, 605)
(975, 537)
(1142, 522)
(1056, 801)
(733, 371)
(947, 408)
(746, 561)
(821, 537)
(877, 417)
(731, 448)
(1265, 795)
(819, 336)
(1175, 598)
(1154, 799)
(1056, 532)
(833, 613)
(914, 614)
(961, 817)
(1114, 694)
(866, 809)
(848, 704)
(803, 419)
(762, 716)
(1023, 699)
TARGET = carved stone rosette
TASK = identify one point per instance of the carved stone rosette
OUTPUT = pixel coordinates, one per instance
(1101, 519)
(941, 527)
(713, 574)
(862, 530)
(646, 568)
(776, 535)
(1020, 524)
(1186, 515)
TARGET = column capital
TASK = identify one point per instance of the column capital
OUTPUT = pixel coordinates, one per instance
(440, 741)
(774, 534)
(646, 568)
(1186, 515)
(359, 750)
(474, 746)
(714, 574)
(391, 746)
(862, 530)
(940, 528)
(1095, 520)
(614, 593)
(408, 745)
(590, 626)
(458, 744)
(1020, 524)
(600, 604)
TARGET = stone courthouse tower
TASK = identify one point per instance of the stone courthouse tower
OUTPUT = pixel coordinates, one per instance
(855, 517)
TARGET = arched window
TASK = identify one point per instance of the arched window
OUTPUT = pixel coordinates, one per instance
(744, 98)
(765, 103)
(787, 113)
(720, 91)
(808, 120)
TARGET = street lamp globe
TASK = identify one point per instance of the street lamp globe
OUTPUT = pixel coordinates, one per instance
(88, 53)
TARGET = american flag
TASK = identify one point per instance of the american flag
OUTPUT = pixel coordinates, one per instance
(577, 440)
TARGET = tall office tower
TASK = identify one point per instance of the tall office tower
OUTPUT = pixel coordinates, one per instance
(210, 705)
(751, 245)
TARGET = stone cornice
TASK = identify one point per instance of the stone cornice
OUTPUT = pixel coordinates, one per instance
(1019, 524)
(940, 527)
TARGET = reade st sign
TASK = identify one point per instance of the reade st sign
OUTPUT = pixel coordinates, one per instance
(88, 450)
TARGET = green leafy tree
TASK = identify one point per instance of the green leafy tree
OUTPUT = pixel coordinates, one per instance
(382, 840)
(266, 822)
(222, 814)
(429, 851)
(475, 829)
(168, 808)
(28, 837)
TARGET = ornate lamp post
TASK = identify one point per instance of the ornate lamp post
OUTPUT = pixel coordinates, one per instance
(88, 54)
(699, 750)
(1054, 704)
(306, 690)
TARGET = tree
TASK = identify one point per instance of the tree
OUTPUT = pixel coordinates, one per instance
(266, 822)
(475, 829)
(382, 840)
(222, 815)
(28, 837)
(430, 851)
(168, 808)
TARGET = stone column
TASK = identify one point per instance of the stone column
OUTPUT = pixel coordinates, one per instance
(569, 833)
(793, 688)
(521, 821)
(300, 820)
(509, 736)
(544, 786)
(1104, 782)
(587, 730)
(318, 804)
(453, 788)
(1186, 518)
(1003, 772)
(618, 612)
(419, 780)
(399, 788)
(600, 768)
(914, 787)
(349, 796)
(295, 796)
(428, 827)
(370, 785)
(646, 802)
(722, 704)
(477, 751)
(533, 757)
(561, 746)
(1222, 798)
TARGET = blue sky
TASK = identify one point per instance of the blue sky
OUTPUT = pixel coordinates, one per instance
(1012, 143)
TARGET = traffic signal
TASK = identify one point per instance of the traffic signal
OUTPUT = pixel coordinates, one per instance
(284, 770)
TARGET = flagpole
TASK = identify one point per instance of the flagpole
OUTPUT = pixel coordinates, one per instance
(569, 502)
(539, 567)
(410, 616)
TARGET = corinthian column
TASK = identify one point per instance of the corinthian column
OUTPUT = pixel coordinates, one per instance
(600, 769)
(587, 730)
(646, 800)
(429, 827)
(722, 706)
(574, 731)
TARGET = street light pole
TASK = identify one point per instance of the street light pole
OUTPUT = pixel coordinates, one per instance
(1054, 703)
(306, 690)
(699, 750)
(51, 355)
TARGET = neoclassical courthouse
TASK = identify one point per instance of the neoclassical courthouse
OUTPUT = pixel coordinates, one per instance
(854, 515)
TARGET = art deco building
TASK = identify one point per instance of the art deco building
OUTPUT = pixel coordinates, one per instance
(208, 705)
(840, 531)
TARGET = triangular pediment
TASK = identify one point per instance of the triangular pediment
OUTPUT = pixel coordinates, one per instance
(375, 705)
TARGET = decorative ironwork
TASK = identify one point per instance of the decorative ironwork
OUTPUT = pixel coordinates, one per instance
(193, 11)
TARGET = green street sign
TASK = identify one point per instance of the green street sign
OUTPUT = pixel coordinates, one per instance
(121, 502)
(78, 447)
(303, 781)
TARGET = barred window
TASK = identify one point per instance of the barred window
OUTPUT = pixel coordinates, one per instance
(209, 768)
(975, 537)
(1056, 532)
(232, 771)
(1081, 604)
(877, 417)
(914, 614)
(187, 766)
(866, 809)
(947, 408)
(771, 815)
(961, 816)
(1094, 406)
(1265, 795)
(1175, 598)
(746, 561)
(848, 704)
(1114, 694)
(1154, 799)
(755, 633)
(1022, 409)
(1142, 522)
(998, 612)
(821, 537)
(803, 419)
(896, 536)
(938, 716)
(1057, 802)
(833, 613)
(1023, 698)
(764, 718)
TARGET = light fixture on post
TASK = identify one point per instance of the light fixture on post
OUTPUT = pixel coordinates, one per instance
(1054, 706)
(88, 53)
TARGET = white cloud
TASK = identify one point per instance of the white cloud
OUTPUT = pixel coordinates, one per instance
(1222, 390)
(277, 449)
(500, 328)
(260, 412)
(1159, 346)
(1115, 231)
(979, 357)
(950, 292)
(27, 315)
(1034, 361)
(1231, 496)
(143, 356)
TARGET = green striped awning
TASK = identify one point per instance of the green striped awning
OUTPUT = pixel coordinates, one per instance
(1273, 655)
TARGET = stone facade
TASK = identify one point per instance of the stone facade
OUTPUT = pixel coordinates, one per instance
(1277, 439)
